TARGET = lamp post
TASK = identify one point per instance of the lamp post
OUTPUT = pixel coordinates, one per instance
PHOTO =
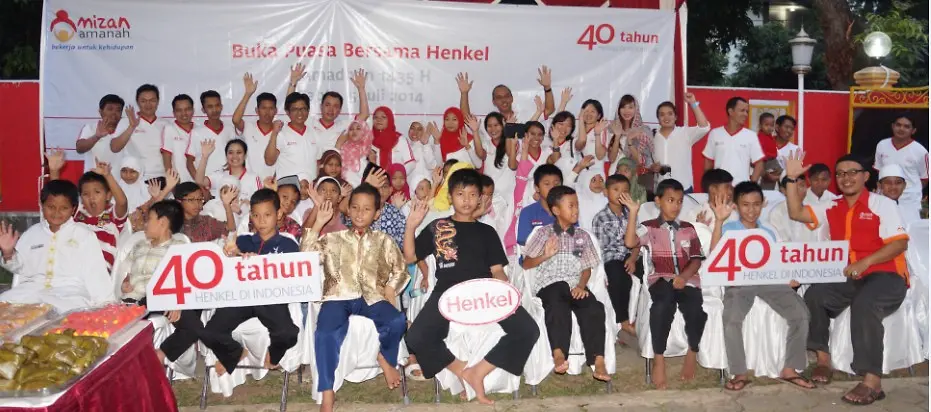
(802, 49)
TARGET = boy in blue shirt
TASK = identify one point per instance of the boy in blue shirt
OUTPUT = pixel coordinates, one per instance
(739, 299)
(218, 333)
(546, 177)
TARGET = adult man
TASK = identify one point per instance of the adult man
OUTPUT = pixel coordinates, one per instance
(94, 139)
(903, 150)
(177, 137)
(145, 142)
(214, 128)
(325, 131)
(892, 184)
(733, 147)
(670, 142)
(256, 134)
(502, 98)
(877, 274)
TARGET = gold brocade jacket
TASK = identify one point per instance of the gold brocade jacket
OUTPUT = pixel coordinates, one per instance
(357, 265)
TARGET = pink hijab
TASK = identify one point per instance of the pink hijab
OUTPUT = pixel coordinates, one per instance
(354, 151)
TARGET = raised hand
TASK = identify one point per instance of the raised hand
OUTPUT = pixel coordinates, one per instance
(297, 73)
(131, 116)
(690, 98)
(703, 218)
(153, 187)
(269, 182)
(794, 165)
(251, 85)
(56, 159)
(512, 118)
(472, 122)
(462, 80)
(437, 176)
(587, 161)
(566, 95)
(538, 103)
(207, 147)
(8, 239)
(172, 178)
(101, 129)
(601, 126)
(312, 193)
(358, 79)
(277, 125)
(377, 178)
(345, 190)
(102, 168)
(722, 210)
(632, 205)
(463, 138)
(419, 211)
(228, 194)
(432, 129)
(324, 213)
(398, 200)
(545, 77)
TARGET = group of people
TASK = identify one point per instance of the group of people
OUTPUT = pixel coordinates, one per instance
(474, 199)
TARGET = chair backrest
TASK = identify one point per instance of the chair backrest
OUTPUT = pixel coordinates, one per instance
(917, 253)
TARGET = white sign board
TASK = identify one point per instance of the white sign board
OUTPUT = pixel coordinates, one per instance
(412, 51)
(200, 276)
(479, 302)
(749, 257)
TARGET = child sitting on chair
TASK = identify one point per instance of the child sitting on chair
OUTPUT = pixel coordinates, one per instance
(364, 272)
(676, 256)
(265, 211)
(564, 256)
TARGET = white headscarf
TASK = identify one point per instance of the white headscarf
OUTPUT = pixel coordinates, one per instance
(137, 193)
(590, 203)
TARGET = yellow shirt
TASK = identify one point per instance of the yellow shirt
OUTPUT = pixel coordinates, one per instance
(357, 265)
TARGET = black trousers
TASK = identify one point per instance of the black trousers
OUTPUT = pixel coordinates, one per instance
(218, 334)
(665, 300)
(558, 307)
(426, 337)
(619, 284)
(870, 299)
(188, 329)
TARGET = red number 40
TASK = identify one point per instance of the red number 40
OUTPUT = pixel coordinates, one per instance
(603, 34)
(174, 267)
(741, 251)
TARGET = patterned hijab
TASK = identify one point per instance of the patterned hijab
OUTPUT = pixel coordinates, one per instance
(354, 151)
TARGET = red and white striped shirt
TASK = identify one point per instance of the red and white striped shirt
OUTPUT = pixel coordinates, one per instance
(107, 227)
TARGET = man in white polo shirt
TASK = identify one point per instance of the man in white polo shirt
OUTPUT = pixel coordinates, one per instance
(177, 137)
(94, 139)
(214, 128)
(502, 98)
(256, 133)
(903, 150)
(733, 147)
(291, 149)
(145, 142)
(325, 131)
(672, 145)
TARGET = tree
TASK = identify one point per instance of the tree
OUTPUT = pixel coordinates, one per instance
(839, 50)
(20, 38)
(714, 26)
(765, 60)
(909, 55)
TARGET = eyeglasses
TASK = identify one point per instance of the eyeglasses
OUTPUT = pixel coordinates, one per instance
(840, 174)
(196, 200)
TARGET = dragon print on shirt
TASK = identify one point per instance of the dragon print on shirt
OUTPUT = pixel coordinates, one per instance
(446, 250)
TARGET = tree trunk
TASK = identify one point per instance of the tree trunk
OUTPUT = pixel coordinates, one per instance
(839, 48)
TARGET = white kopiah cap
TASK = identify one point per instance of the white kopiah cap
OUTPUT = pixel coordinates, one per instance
(893, 170)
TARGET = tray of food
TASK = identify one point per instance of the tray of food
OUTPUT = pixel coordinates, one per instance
(20, 319)
(105, 322)
(44, 365)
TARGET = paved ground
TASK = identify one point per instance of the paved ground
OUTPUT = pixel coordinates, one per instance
(903, 395)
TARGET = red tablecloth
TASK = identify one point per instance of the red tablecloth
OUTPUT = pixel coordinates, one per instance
(132, 380)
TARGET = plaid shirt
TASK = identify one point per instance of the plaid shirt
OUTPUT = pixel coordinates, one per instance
(609, 228)
(203, 228)
(655, 234)
(143, 258)
(576, 254)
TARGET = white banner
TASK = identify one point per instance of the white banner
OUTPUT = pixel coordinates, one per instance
(748, 257)
(412, 51)
(199, 276)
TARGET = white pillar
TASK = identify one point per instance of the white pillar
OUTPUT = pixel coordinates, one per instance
(801, 111)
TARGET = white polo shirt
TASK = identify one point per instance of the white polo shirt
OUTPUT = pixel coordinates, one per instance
(221, 136)
(782, 153)
(175, 141)
(324, 138)
(101, 150)
(675, 151)
(734, 153)
(297, 153)
(913, 158)
(257, 140)
(249, 182)
(145, 144)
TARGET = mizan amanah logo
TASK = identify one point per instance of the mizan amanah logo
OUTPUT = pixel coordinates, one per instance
(94, 27)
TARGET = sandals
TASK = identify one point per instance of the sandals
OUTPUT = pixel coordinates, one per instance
(865, 395)
(737, 384)
(822, 375)
(795, 381)
(409, 371)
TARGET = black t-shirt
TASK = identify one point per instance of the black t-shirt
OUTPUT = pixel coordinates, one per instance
(463, 250)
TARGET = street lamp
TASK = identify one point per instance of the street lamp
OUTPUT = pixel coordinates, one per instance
(802, 49)
(877, 45)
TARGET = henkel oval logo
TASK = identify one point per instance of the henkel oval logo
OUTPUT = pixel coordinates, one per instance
(479, 302)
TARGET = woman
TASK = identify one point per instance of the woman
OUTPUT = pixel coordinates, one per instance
(235, 166)
(564, 154)
(355, 145)
(590, 187)
(536, 154)
(592, 139)
(423, 148)
(497, 156)
(632, 139)
(391, 148)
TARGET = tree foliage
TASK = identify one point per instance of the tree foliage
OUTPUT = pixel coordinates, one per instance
(20, 36)
(909, 55)
(765, 60)
(714, 26)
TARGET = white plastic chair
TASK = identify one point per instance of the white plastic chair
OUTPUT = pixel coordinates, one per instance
(918, 268)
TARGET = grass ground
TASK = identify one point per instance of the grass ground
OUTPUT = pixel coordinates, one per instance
(629, 378)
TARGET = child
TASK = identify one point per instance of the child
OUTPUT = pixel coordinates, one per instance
(331, 164)
(103, 208)
(620, 263)
(564, 257)
(390, 220)
(464, 249)
(398, 177)
(56, 261)
(676, 255)
(627, 167)
(294, 196)
(135, 190)
(327, 190)
(590, 187)
(739, 299)
(765, 134)
(494, 211)
(716, 183)
(379, 273)
(819, 176)
(455, 142)
(202, 228)
(265, 210)
(163, 224)
(288, 195)
(354, 146)
(545, 178)
(787, 228)
(423, 190)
